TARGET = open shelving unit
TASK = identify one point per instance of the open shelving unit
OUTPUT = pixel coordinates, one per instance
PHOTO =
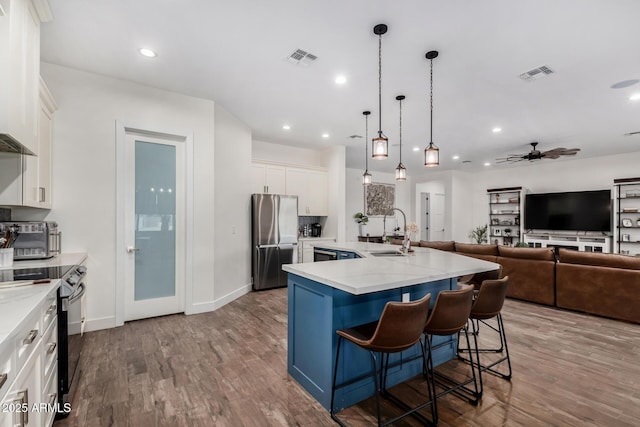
(505, 208)
(627, 216)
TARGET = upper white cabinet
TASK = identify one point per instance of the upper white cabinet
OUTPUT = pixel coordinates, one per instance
(267, 178)
(311, 188)
(20, 71)
(36, 174)
(26, 180)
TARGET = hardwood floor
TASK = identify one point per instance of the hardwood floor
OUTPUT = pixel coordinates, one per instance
(228, 368)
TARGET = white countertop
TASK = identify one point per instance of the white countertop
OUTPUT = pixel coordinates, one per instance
(16, 303)
(372, 274)
(57, 261)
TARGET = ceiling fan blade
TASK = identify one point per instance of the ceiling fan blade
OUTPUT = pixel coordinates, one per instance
(555, 150)
(568, 153)
(553, 156)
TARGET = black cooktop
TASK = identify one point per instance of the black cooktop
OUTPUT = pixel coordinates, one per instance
(38, 273)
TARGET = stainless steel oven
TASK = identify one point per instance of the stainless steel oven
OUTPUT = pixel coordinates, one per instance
(322, 255)
(70, 298)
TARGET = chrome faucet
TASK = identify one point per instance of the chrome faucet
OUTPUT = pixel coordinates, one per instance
(405, 241)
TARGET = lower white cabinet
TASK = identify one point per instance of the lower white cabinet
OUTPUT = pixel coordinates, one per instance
(29, 369)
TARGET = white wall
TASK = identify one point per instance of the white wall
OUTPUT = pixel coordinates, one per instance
(544, 176)
(405, 201)
(84, 180)
(337, 219)
(232, 218)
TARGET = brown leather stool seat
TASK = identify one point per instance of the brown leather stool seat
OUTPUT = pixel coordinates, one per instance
(399, 328)
(449, 316)
(488, 305)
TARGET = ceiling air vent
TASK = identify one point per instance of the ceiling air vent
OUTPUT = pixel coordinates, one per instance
(302, 57)
(536, 73)
(355, 136)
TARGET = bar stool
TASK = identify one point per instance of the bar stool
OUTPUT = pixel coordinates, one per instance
(476, 279)
(399, 328)
(488, 305)
(448, 317)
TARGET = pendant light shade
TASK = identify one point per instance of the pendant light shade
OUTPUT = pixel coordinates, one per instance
(366, 176)
(401, 171)
(432, 152)
(380, 145)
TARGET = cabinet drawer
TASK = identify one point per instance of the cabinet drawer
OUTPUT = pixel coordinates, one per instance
(50, 397)
(49, 310)
(7, 370)
(27, 337)
(49, 352)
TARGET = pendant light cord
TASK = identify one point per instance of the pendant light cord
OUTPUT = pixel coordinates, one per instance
(401, 131)
(431, 95)
(366, 142)
(380, 85)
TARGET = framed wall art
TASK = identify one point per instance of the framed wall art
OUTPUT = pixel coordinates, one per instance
(379, 199)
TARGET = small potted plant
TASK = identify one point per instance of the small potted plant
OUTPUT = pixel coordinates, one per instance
(479, 234)
(361, 219)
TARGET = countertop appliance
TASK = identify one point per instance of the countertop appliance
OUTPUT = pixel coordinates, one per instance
(316, 230)
(274, 234)
(36, 239)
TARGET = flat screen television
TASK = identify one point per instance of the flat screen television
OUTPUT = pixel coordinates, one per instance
(574, 211)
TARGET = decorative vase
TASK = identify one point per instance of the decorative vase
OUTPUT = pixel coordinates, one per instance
(363, 229)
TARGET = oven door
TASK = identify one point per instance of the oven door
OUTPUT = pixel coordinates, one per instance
(76, 302)
(322, 255)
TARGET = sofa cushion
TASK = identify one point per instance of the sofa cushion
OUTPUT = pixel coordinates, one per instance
(543, 254)
(530, 279)
(441, 245)
(471, 248)
(599, 260)
(605, 291)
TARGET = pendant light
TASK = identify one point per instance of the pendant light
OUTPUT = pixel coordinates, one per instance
(432, 152)
(380, 145)
(401, 171)
(366, 176)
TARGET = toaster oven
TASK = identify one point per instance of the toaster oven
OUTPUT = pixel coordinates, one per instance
(35, 239)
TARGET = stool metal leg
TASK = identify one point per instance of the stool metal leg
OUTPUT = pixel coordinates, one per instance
(333, 385)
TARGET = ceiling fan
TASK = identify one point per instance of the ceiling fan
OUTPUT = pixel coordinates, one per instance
(536, 154)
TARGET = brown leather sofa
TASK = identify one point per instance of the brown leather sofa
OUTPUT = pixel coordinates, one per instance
(603, 284)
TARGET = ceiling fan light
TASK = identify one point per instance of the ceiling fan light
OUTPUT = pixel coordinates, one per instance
(380, 147)
(401, 172)
(431, 155)
(366, 178)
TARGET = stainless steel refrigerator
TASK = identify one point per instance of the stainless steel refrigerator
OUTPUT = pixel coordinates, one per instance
(274, 233)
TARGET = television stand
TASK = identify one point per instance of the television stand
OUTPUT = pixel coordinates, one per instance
(601, 244)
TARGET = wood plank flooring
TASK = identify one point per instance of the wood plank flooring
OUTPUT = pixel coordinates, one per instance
(228, 368)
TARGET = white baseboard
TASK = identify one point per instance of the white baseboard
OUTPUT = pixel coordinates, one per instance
(93, 325)
(204, 307)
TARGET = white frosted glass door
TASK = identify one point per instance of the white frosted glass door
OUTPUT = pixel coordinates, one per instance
(155, 221)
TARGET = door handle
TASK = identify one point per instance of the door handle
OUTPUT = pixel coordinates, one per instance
(132, 249)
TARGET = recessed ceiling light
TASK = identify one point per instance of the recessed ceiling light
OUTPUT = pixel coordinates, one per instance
(340, 80)
(286, 127)
(487, 164)
(325, 135)
(456, 157)
(416, 148)
(635, 97)
(147, 52)
(497, 130)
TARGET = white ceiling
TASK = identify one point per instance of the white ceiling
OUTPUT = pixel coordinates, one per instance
(234, 52)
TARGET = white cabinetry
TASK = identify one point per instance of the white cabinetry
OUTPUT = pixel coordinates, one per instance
(311, 188)
(505, 206)
(600, 244)
(29, 362)
(268, 178)
(36, 173)
(20, 72)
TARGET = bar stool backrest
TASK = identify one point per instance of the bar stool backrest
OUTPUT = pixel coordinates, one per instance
(490, 298)
(478, 278)
(400, 325)
(451, 312)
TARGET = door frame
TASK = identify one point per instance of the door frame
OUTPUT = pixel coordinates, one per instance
(122, 130)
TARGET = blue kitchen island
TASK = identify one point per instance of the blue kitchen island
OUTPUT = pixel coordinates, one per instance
(326, 296)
